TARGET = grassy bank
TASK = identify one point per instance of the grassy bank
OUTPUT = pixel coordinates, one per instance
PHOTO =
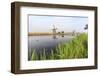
(76, 48)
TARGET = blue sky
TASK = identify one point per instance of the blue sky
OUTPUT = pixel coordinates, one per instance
(67, 24)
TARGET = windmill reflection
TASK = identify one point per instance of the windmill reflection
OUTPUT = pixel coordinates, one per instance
(54, 31)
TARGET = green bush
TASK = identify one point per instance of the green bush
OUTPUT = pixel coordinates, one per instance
(76, 48)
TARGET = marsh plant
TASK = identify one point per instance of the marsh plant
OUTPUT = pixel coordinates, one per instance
(74, 49)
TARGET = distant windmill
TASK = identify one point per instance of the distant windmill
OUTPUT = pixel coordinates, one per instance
(73, 33)
(54, 30)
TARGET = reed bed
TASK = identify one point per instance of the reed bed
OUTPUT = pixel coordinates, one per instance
(74, 49)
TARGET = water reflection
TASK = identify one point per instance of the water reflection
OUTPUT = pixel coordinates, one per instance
(55, 36)
(48, 42)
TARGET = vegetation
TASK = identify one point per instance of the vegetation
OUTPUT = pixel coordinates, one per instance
(75, 48)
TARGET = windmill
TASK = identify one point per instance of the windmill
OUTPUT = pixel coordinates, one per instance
(54, 30)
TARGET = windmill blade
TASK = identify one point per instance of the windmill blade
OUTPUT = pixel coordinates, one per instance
(54, 26)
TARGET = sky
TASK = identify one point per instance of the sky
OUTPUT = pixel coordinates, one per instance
(40, 23)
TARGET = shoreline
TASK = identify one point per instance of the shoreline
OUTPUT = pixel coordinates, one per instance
(46, 34)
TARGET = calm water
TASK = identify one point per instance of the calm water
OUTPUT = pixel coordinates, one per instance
(49, 42)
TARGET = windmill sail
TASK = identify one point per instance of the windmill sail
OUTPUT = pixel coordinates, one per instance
(54, 30)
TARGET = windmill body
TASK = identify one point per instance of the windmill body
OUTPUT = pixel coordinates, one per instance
(54, 30)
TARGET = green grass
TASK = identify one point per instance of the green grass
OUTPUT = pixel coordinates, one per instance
(75, 48)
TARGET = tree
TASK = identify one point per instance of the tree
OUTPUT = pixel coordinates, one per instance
(62, 32)
(86, 27)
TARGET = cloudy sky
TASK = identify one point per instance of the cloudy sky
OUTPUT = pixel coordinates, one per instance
(41, 23)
